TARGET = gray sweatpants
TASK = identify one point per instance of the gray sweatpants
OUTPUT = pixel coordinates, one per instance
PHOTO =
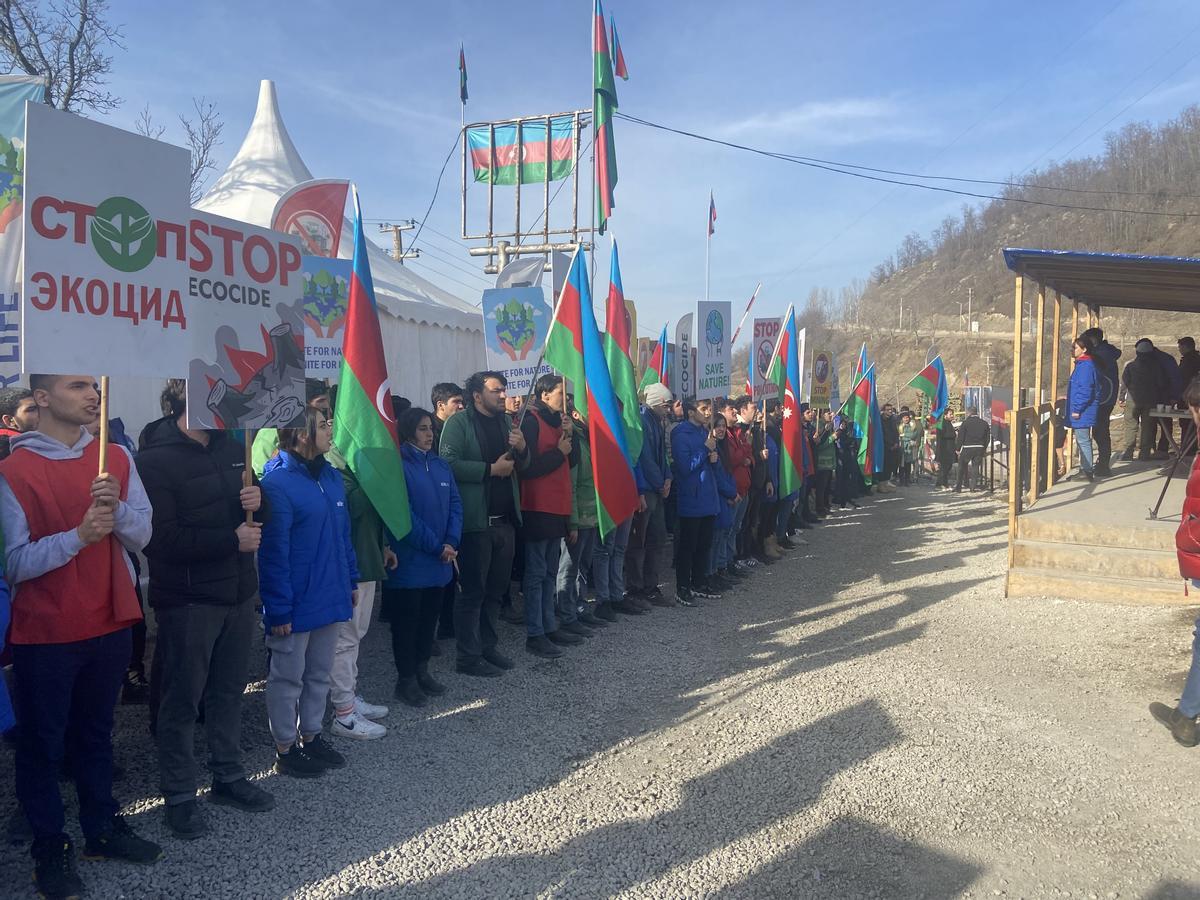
(298, 681)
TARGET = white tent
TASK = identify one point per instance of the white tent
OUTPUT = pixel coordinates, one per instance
(429, 334)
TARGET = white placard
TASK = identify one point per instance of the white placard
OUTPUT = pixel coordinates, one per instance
(714, 351)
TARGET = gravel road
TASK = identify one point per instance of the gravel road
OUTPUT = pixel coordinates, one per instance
(869, 718)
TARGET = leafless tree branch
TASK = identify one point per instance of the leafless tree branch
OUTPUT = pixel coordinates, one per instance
(203, 137)
(145, 124)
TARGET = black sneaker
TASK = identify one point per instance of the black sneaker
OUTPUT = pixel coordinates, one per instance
(186, 821)
(318, 748)
(409, 692)
(684, 597)
(428, 684)
(242, 795)
(54, 873)
(588, 618)
(1182, 728)
(19, 832)
(119, 842)
(297, 763)
(479, 668)
(628, 607)
(498, 659)
(564, 638)
(136, 689)
(575, 628)
(606, 612)
(541, 646)
(704, 592)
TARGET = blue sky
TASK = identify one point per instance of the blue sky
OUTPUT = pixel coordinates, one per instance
(370, 92)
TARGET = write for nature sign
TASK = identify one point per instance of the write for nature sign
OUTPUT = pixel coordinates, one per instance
(122, 277)
(324, 291)
(714, 353)
(515, 324)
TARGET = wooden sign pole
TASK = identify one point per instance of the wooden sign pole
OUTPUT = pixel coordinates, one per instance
(103, 424)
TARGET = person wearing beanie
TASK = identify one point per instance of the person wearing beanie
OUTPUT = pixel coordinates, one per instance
(1143, 384)
(648, 536)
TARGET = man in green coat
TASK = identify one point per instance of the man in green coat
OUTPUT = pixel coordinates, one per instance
(485, 450)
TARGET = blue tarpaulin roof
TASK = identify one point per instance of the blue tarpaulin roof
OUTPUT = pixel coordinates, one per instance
(1125, 280)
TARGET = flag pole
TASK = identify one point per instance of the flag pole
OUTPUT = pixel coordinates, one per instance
(707, 246)
(738, 330)
(542, 355)
(103, 425)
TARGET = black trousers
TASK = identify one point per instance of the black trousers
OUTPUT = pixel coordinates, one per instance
(748, 543)
(968, 466)
(413, 614)
(446, 615)
(485, 565)
(824, 488)
(693, 546)
(945, 462)
(1102, 437)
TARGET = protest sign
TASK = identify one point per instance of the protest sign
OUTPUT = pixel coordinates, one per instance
(766, 334)
(822, 379)
(15, 90)
(106, 239)
(714, 356)
(324, 290)
(247, 368)
(515, 324)
(313, 212)
(683, 382)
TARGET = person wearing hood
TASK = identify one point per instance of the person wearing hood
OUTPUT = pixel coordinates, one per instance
(648, 534)
(308, 578)
(1189, 369)
(1144, 385)
(1104, 356)
(546, 515)
(202, 588)
(66, 531)
(693, 452)
(425, 557)
(1084, 392)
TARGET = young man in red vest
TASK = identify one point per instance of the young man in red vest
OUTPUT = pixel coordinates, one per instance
(66, 531)
(546, 513)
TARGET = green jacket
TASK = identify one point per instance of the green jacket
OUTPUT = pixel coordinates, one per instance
(583, 485)
(460, 448)
(266, 445)
(366, 528)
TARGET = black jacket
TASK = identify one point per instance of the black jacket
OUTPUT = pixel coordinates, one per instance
(194, 490)
(1189, 367)
(973, 432)
(1145, 382)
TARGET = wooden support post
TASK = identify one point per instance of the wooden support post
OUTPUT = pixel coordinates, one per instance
(1035, 437)
(1055, 351)
(1018, 320)
(1014, 479)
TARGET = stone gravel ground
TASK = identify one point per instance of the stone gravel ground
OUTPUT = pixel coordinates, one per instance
(868, 718)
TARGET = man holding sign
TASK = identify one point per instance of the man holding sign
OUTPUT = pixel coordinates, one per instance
(66, 530)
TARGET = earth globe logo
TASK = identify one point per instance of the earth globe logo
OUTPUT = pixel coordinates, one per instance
(714, 330)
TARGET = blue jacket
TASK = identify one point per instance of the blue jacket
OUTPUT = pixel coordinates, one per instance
(726, 490)
(7, 720)
(653, 461)
(1084, 392)
(695, 484)
(773, 463)
(437, 520)
(306, 564)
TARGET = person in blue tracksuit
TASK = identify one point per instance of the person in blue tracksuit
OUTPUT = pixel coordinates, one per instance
(1083, 401)
(693, 451)
(412, 594)
(719, 558)
(308, 579)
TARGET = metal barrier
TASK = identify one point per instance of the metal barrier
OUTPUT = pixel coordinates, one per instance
(1031, 469)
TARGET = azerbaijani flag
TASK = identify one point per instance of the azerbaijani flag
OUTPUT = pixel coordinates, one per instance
(784, 371)
(605, 103)
(462, 75)
(574, 346)
(618, 57)
(363, 428)
(620, 366)
(861, 366)
(533, 151)
(656, 371)
(931, 381)
(712, 221)
(858, 410)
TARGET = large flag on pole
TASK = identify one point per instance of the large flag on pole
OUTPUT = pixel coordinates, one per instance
(363, 428)
(785, 372)
(620, 366)
(712, 215)
(858, 409)
(861, 366)
(656, 370)
(573, 344)
(462, 74)
(876, 426)
(605, 103)
(931, 381)
(618, 57)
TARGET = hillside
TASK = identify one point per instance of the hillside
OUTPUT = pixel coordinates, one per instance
(1143, 168)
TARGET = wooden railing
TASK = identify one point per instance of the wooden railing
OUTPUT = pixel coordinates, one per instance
(1040, 458)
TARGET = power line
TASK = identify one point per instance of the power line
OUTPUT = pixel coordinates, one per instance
(870, 177)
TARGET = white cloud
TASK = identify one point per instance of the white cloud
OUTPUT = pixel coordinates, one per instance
(852, 120)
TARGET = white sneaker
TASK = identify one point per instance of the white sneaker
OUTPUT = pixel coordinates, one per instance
(369, 710)
(357, 728)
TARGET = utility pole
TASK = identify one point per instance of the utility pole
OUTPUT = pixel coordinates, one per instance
(398, 252)
(970, 297)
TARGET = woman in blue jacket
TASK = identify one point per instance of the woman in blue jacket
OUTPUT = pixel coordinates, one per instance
(693, 451)
(1083, 401)
(308, 578)
(719, 559)
(412, 594)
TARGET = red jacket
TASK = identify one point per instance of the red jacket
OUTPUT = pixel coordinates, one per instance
(740, 453)
(1187, 537)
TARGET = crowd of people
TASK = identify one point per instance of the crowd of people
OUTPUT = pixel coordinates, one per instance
(504, 526)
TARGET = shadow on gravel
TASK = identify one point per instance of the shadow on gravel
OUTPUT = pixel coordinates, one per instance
(851, 857)
(1174, 890)
(717, 809)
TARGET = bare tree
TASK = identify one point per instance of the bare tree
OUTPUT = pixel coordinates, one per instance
(66, 42)
(203, 135)
(203, 138)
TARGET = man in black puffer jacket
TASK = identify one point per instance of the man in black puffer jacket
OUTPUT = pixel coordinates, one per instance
(202, 587)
